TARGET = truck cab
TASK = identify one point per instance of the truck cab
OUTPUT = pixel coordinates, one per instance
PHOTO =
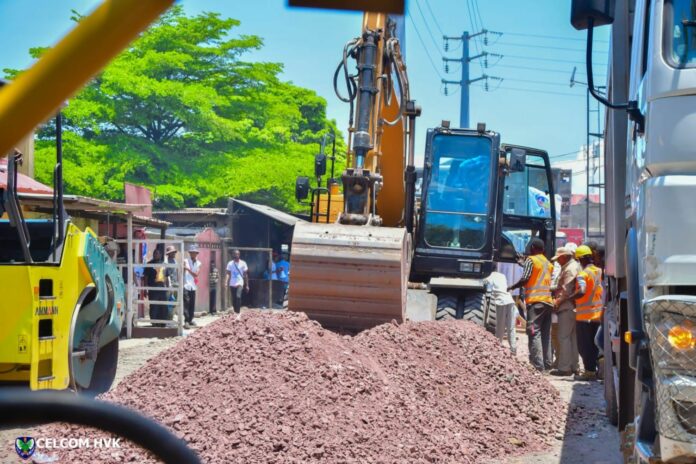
(650, 167)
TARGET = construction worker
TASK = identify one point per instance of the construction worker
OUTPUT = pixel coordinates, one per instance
(505, 310)
(564, 303)
(588, 311)
(536, 280)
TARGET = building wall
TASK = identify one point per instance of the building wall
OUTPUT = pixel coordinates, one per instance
(210, 250)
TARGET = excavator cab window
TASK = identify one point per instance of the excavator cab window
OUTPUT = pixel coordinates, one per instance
(527, 189)
(458, 192)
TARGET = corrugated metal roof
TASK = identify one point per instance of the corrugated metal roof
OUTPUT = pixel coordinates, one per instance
(206, 211)
(85, 203)
(273, 213)
(77, 204)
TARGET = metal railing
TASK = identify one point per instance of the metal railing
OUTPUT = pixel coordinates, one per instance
(135, 296)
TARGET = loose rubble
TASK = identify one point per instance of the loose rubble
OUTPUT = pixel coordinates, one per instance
(276, 387)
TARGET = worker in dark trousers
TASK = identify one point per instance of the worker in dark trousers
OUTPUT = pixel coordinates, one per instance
(155, 277)
(237, 279)
(192, 267)
(213, 280)
(588, 311)
(536, 280)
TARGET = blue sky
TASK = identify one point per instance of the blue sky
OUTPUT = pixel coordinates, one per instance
(533, 105)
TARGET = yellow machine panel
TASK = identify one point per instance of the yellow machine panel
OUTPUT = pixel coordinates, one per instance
(35, 336)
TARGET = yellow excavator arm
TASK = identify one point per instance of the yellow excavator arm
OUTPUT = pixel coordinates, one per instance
(353, 274)
(379, 148)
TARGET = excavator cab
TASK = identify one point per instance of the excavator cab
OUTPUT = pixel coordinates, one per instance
(481, 202)
(456, 226)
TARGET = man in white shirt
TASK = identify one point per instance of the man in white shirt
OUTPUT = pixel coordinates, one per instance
(237, 278)
(505, 310)
(192, 267)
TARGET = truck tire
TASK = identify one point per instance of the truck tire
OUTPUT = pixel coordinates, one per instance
(612, 406)
(446, 307)
(474, 308)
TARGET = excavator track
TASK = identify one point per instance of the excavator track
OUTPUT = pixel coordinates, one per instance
(349, 277)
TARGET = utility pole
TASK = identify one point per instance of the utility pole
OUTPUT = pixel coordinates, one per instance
(466, 80)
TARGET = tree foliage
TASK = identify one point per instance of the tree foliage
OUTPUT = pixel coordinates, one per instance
(183, 112)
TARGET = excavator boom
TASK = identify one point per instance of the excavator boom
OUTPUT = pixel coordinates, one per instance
(353, 274)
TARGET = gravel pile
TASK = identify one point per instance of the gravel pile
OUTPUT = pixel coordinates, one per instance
(278, 388)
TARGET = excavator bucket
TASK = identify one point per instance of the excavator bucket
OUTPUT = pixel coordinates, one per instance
(349, 277)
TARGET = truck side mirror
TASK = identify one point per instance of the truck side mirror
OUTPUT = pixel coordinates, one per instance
(301, 188)
(600, 11)
(518, 160)
(588, 14)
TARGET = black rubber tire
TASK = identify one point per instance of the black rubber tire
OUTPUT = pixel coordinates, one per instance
(446, 307)
(611, 404)
(104, 370)
(473, 307)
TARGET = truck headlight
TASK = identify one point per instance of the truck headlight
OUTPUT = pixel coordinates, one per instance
(681, 336)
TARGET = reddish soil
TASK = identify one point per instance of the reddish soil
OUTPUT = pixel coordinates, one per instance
(276, 387)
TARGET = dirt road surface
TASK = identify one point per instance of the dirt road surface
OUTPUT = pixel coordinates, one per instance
(587, 437)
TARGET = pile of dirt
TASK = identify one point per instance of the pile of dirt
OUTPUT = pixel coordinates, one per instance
(279, 388)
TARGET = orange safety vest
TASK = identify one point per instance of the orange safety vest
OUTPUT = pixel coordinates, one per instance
(538, 287)
(589, 306)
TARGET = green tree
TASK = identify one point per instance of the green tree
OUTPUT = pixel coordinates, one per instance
(182, 111)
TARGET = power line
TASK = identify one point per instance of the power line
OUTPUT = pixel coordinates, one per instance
(529, 68)
(547, 92)
(422, 42)
(427, 4)
(564, 154)
(554, 37)
(430, 33)
(552, 60)
(565, 49)
(528, 81)
(474, 29)
(584, 171)
(478, 23)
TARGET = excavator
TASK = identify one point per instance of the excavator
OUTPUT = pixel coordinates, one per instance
(481, 201)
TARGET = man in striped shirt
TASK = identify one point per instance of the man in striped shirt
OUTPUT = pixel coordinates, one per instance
(536, 280)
